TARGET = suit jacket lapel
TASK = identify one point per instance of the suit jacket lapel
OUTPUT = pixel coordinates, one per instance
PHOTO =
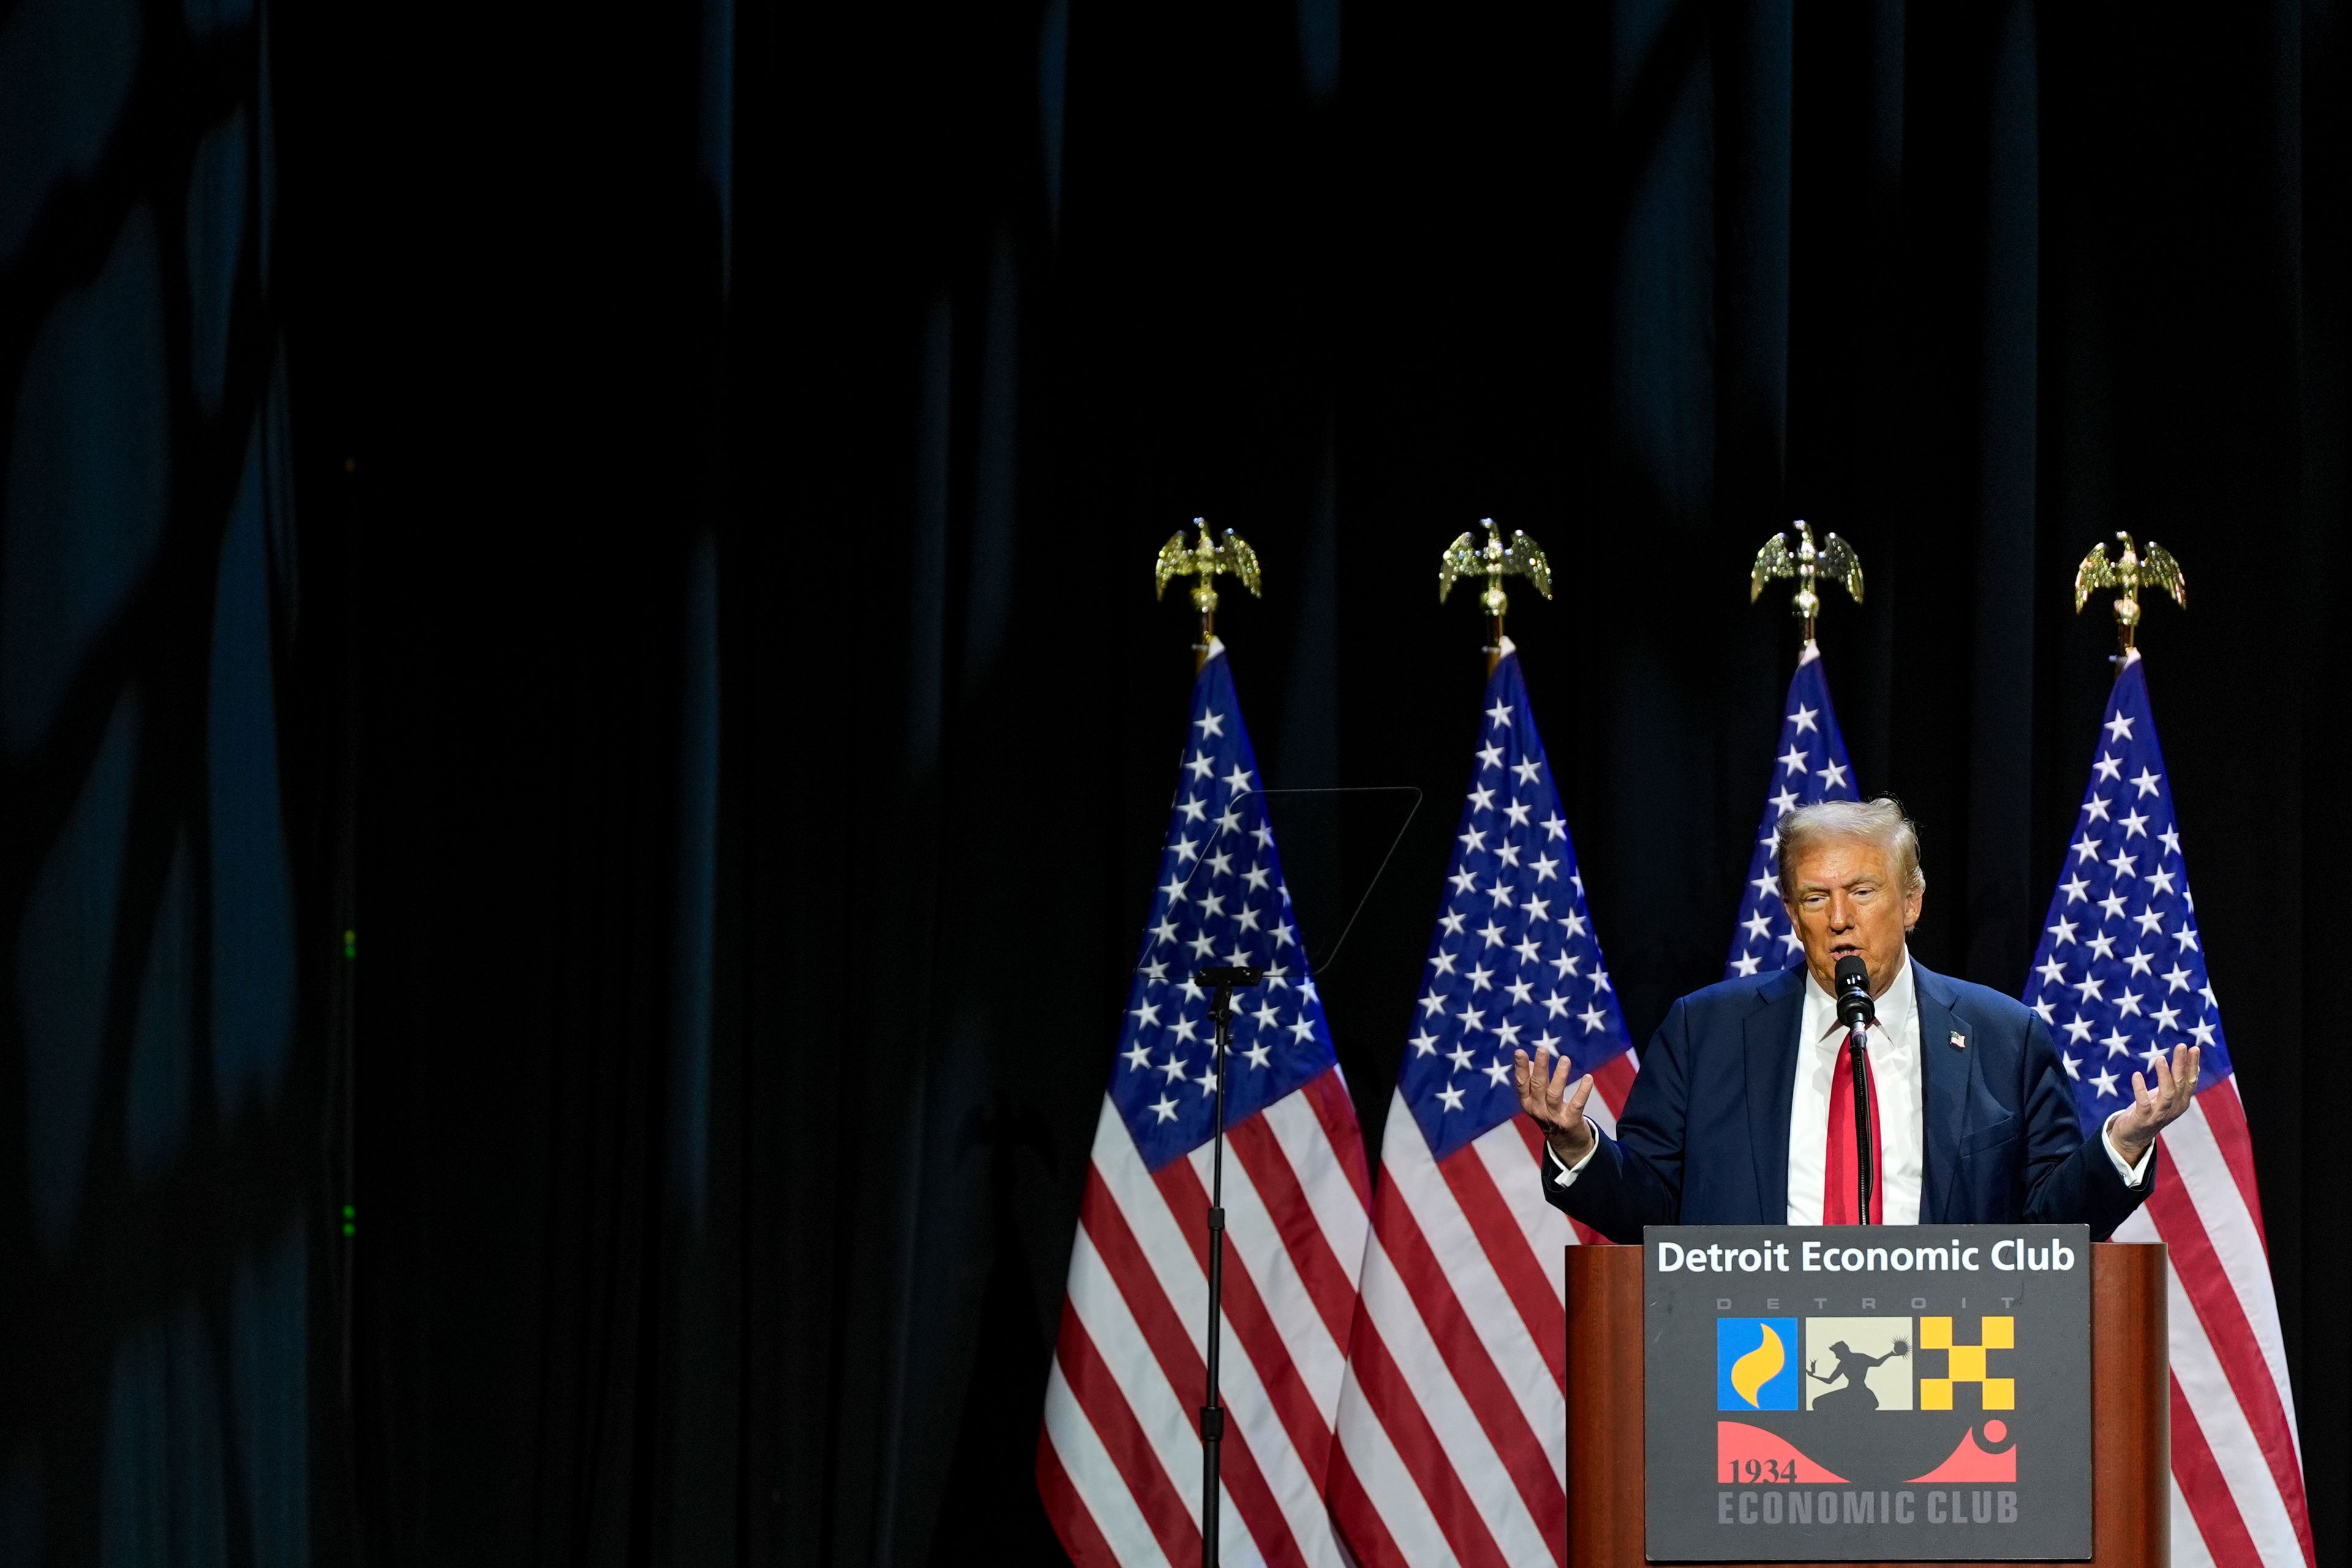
(1771, 1030)
(1944, 1073)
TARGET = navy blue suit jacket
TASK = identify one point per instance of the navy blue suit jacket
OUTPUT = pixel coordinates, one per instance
(1704, 1139)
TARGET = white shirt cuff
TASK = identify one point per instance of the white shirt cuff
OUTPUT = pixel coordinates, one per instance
(1565, 1175)
(2133, 1175)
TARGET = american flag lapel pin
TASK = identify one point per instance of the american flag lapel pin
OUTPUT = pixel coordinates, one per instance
(1959, 1041)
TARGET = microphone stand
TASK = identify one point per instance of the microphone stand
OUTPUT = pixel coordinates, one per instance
(1225, 981)
(1858, 1063)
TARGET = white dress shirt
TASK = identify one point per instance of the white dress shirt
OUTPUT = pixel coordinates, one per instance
(1899, 1079)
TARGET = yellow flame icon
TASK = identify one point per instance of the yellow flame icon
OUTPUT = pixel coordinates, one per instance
(1759, 1366)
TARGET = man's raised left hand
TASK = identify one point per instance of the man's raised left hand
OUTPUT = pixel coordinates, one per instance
(2135, 1127)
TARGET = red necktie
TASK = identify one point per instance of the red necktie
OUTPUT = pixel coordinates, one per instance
(1838, 1173)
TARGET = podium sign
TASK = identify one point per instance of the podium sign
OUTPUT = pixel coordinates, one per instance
(1867, 1393)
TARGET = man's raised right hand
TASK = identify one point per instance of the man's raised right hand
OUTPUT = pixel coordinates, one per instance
(1557, 1106)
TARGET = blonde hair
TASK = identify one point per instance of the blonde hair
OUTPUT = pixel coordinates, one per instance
(1880, 822)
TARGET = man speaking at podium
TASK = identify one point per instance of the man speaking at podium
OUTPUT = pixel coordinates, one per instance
(1744, 1110)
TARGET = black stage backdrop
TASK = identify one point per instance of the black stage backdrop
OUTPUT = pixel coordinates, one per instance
(173, 786)
(759, 423)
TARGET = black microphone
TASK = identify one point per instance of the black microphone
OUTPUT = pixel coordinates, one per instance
(1240, 976)
(1854, 1004)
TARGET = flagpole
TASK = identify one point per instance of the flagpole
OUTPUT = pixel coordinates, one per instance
(1231, 554)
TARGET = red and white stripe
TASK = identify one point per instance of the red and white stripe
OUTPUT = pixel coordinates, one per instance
(2237, 1466)
(1454, 1416)
(1119, 1461)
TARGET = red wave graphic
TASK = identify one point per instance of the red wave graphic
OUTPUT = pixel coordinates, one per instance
(1969, 1462)
(1735, 1441)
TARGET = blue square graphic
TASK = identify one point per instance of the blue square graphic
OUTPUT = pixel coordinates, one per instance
(1755, 1364)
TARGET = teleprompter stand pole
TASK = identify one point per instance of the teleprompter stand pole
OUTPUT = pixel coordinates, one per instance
(1223, 982)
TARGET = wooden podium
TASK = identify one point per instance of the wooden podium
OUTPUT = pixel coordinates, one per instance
(2131, 1401)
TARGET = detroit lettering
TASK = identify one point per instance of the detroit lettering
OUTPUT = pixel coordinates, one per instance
(2009, 1255)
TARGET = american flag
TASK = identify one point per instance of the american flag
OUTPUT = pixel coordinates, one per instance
(1118, 1460)
(2120, 976)
(1813, 767)
(1453, 1425)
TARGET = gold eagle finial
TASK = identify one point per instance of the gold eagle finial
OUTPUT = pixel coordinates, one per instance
(1523, 557)
(1229, 554)
(2127, 574)
(1835, 561)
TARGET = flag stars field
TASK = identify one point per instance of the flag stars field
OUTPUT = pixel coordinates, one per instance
(1498, 936)
(2127, 898)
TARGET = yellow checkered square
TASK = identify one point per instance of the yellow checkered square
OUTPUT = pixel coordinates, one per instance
(1966, 1363)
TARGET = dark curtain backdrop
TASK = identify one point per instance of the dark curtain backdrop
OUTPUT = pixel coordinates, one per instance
(173, 824)
(730, 441)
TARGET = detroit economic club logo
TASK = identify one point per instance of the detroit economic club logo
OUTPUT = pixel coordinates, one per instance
(1918, 1396)
(1855, 1369)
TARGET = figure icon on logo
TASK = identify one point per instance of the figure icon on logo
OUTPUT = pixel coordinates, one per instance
(1853, 1368)
(1856, 1365)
